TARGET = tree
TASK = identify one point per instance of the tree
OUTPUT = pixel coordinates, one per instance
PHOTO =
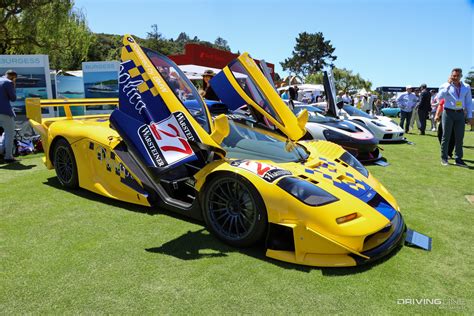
(221, 44)
(154, 34)
(344, 78)
(105, 47)
(52, 27)
(470, 78)
(311, 53)
(10, 13)
(183, 38)
(157, 42)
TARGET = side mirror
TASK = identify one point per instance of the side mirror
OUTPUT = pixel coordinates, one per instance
(289, 145)
(302, 119)
(221, 128)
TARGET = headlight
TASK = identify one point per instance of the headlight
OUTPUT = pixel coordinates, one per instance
(354, 163)
(306, 192)
(335, 136)
(377, 124)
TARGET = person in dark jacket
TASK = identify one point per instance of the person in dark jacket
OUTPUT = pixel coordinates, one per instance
(424, 107)
(209, 93)
(7, 116)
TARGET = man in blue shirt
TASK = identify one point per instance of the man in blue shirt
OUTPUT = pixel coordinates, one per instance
(7, 116)
(458, 103)
(406, 102)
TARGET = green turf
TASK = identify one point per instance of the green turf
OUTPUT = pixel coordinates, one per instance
(76, 252)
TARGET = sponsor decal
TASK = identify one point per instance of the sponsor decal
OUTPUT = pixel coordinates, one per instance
(186, 127)
(265, 171)
(166, 141)
(100, 66)
(103, 156)
(19, 60)
(151, 145)
(129, 88)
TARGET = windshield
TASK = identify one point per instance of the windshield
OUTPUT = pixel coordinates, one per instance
(245, 142)
(251, 89)
(318, 118)
(353, 111)
(180, 85)
(314, 116)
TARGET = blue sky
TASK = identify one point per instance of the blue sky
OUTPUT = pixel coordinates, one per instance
(389, 42)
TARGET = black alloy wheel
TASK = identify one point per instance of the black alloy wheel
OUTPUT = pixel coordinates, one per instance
(65, 164)
(234, 211)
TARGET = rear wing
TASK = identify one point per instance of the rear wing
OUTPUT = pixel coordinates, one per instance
(34, 108)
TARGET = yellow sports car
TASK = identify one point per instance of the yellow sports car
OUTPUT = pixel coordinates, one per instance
(312, 202)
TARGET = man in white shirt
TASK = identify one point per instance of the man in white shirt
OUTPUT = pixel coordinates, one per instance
(346, 98)
(371, 100)
(406, 102)
(414, 113)
(457, 105)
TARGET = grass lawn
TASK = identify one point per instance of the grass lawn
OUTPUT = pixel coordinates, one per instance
(77, 252)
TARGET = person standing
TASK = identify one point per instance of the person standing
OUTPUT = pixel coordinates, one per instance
(339, 97)
(7, 115)
(406, 102)
(371, 101)
(414, 113)
(439, 112)
(434, 107)
(424, 107)
(346, 98)
(457, 104)
(365, 106)
(209, 93)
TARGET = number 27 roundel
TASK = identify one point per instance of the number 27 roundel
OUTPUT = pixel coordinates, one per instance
(150, 117)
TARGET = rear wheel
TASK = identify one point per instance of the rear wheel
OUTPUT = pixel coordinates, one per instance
(234, 211)
(65, 164)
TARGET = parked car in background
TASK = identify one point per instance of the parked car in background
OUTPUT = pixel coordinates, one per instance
(391, 112)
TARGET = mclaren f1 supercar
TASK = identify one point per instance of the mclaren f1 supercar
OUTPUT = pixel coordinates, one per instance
(311, 202)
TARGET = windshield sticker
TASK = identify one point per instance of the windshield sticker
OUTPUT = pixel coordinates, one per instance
(265, 171)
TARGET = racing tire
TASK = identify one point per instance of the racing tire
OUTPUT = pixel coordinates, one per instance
(234, 211)
(65, 165)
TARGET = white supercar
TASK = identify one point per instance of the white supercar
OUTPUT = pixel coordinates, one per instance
(384, 128)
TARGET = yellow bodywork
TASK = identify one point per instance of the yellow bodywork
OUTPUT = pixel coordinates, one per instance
(97, 171)
(318, 239)
(284, 119)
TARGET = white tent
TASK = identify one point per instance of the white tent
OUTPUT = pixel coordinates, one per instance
(362, 92)
(305, 87)
(194, 72)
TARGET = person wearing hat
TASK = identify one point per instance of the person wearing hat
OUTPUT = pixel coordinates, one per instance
(7, 115)
(424, 107)
(209, 93)
(406, 102)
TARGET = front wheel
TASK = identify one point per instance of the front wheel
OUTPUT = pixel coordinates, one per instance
(234, 211)
(65, 164)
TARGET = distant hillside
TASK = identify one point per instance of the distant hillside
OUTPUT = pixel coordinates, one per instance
(107, 46)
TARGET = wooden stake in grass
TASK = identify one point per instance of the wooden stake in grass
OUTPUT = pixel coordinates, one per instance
(470, 198)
